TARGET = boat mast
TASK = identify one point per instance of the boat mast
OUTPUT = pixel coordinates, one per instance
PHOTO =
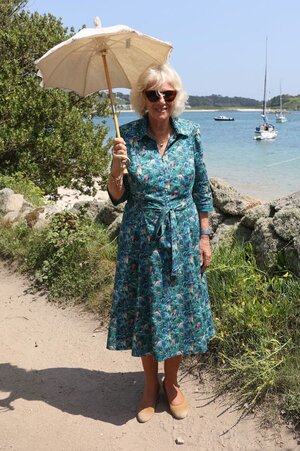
(280, 100)
(265, 83)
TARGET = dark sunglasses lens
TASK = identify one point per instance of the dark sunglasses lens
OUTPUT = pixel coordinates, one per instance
(152, 96)
(169, 95)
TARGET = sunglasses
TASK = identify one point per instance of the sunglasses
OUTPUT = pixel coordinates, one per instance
(154, 96)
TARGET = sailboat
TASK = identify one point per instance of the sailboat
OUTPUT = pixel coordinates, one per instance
(280, 117)
(265, 130)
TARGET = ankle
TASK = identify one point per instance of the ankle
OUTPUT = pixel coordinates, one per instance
(152, 385)
(171, 383)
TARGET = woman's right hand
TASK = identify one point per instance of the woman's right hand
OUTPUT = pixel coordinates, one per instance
(120, 158)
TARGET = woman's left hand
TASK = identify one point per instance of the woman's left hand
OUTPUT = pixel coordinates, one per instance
(205, 252)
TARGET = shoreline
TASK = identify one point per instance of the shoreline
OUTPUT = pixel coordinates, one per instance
(246, 110)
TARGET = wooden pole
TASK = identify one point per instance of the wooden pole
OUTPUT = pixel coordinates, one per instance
(113, 108)
(112, 102)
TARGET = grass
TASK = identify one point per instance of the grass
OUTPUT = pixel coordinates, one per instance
(257, 319)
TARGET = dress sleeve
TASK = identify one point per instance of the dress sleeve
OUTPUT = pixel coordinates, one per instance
(202, 193)
(125, 194)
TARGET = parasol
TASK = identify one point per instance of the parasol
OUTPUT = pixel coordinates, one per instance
(101, 58)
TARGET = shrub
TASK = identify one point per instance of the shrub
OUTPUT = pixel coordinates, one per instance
(48, 135)
(73, 258)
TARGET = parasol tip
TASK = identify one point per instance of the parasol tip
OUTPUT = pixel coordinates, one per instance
(97, 22)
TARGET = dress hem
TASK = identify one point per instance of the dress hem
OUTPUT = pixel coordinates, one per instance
(203, 350)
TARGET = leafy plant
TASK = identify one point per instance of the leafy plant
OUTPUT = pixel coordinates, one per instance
(72, 257)
(47, 135)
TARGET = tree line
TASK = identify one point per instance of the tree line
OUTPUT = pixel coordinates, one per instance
(217, 101)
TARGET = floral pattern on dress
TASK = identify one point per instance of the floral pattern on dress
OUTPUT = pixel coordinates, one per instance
(160, 302)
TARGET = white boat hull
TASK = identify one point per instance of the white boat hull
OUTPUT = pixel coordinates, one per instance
(281, 119)
(265, 134)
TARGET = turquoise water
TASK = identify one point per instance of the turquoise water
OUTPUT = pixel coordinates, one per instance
(264, 169)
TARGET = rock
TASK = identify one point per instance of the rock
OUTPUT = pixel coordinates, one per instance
(225, 232)
(5, 192)
(42, 216)
(11, 201)
(15, 202)
(92, 208)
(286, 223)
(252, 215)
(32, 218)
(179, 441)
(266, 243)
(242, 233)
(293, 200)
(10, 217)
(4, 195)
(51, 209)
(27, 205)
(68, 197)
(114, 228)
(229, 200)
(215, 219)
(108, 213)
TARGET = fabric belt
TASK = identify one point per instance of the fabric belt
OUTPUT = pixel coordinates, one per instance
(165, 214)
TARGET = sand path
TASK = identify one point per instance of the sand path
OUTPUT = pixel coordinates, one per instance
(61, 390)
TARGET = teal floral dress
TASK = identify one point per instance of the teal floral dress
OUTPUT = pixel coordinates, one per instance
(160, 302)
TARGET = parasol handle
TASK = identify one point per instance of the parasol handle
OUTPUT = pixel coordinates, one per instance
(112, 102)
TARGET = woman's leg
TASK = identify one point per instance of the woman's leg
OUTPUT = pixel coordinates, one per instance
(171, 386)
(151, 384)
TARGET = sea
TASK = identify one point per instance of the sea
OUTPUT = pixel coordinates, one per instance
(266, 170)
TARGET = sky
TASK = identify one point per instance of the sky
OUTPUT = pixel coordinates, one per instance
(218, 45)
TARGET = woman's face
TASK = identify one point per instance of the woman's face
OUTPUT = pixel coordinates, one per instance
(161, 109)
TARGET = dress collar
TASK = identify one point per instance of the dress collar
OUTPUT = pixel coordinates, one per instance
(177, 125)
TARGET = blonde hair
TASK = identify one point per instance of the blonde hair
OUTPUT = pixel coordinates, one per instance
(156, 77)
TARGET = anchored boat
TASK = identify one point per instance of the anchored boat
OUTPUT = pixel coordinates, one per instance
(265, 130)
(223, 118)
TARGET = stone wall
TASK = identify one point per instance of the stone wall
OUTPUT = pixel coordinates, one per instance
(273, 228)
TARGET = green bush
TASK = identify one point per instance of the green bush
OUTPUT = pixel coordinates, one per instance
(47, 134)
(257, 319)
(72, 258)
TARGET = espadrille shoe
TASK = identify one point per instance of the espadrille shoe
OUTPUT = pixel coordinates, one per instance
(178, 411)
(146, 413)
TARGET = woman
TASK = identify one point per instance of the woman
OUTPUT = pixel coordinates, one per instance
(160, 306)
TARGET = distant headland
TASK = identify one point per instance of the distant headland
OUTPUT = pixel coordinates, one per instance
(218, 102)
